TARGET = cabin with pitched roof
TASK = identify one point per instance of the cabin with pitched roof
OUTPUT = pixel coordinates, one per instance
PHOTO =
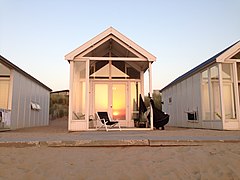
(24, 101)
(107, 74)
(208, 95)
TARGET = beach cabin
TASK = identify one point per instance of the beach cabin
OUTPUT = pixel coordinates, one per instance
(208, 95)
(107, 74)
(24, 101)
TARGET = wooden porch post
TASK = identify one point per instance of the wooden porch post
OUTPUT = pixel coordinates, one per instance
(70, 94)
(142, 83)
(236, 92)
(87, 94)
(150, 91)
(221, 94)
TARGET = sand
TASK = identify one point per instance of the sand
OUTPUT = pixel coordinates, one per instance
(208, 161)
(215, 161)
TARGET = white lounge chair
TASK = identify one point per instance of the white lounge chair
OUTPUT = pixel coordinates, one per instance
(106, 121)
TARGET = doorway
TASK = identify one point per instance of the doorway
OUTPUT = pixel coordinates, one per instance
(111, 97)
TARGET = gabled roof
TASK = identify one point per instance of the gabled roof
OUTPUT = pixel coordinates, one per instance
(105, 34)
(10, 65)
(216, 58)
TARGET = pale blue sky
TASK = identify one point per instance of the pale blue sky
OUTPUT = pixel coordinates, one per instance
(36, 34)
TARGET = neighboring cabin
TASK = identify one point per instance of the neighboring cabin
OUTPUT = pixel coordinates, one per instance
(24, 101)
(208, 95)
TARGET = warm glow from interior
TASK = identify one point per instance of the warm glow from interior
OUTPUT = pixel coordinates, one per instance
(115, 113)
(101, 97)
(119, 101)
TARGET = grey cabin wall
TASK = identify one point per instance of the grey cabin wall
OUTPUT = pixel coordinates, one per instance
(25, 91)
(183, 97)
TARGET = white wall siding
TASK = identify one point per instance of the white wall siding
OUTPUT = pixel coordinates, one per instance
(24, 92)
(197, 98)
(75, 125)
(173, 105)
(185, 103)
(165, 106)
(186, 97)
(15, 97)
(179, 108)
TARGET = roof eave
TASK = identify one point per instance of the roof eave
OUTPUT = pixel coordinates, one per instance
(11, 65)
(216, 58)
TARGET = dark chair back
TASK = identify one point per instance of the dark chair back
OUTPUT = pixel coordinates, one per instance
(103, 115)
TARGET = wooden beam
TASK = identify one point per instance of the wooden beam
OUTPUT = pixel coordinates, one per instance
(151, 92)
(94, 46)
(72, 54)
(134, 66)
(236, 90)
(70, 95)
(129, 48)
(229, 53)
(112, 59)
(87, 103)
(221, 94)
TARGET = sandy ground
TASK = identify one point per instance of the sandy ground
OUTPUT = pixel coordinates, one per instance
(216, 161)
(210, 161)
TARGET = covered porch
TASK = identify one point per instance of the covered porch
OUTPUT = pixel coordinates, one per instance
(107, 74)
(221, 91)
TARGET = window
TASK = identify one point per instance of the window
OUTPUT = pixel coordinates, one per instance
(215, 93)
(79, 89)
(211, 106)
(135, 92)
(4, 86)
(35, 106)
(4, 92)
(170, 100)
(205, 96)
(228, 91)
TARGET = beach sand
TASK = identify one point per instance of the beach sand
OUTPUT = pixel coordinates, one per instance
(215, 161)
(208, 161)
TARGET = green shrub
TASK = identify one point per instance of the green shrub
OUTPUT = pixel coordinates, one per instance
(58, 106)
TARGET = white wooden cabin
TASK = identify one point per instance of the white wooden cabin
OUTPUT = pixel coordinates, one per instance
(107, 74)
(208, 95)
(24, 101)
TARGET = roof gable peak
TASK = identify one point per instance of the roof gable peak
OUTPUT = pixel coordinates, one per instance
(104, 35)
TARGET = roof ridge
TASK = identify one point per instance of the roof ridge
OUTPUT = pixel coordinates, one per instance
(10, 64)
(199, 67)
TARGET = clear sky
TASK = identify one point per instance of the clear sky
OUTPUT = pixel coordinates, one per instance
(35, 35)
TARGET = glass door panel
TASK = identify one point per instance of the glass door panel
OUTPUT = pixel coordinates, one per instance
(119, 101)
(229, 103)
(228, 91)
(101, 97)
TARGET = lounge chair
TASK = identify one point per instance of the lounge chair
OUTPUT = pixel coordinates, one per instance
(106, 121)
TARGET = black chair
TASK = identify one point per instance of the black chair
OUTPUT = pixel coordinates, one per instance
(106, 121)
